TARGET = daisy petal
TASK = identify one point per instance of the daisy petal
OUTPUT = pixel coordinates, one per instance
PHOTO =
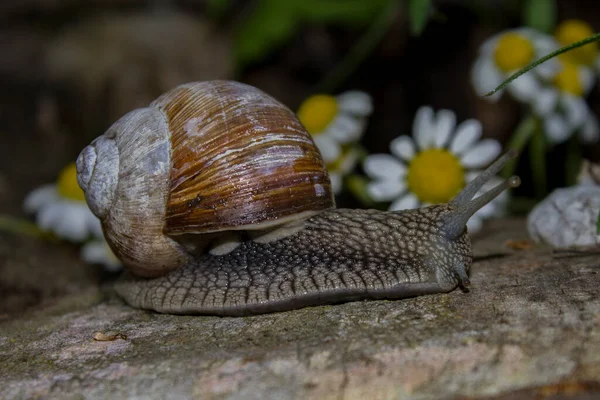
(98, 252)
(587, 78)
(576, 110)
(481, 154)
(525, 87)
(403, 148)
(384, 166)
(472, 174)
(356, 102)
(406, 202)
(549, 68)
(330, 150)
(94, 226)
(485, 77)
(474, 224)
(597, 64)
(556, 128)
(385, 190)
(39, 197)
(590, 132)
(72, 224)
(545, 102)
(446, 122)
(489, 45)
(348, 162)
(93, 252)
(423, 127)
(346, 129)
(467, 133)
(544, 44)
(336, 182)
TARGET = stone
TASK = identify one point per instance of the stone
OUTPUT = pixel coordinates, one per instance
(567, 217)
(529, 326)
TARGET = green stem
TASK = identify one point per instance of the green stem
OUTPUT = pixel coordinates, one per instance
(573, 161)
(21, 226)
(534, 64)
(361, 50)
(537, 155)
(357, 185)
(518, 141)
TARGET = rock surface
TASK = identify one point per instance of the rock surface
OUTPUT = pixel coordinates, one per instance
(568, 217)
(530, 326)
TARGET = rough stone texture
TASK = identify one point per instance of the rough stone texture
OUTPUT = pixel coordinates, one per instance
(530, 326)
(567, 217)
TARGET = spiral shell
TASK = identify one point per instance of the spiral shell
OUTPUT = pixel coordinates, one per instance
(240, 159)
(204, 157)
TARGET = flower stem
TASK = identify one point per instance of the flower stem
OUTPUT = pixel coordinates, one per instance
(357, 185)
(573, 161)
(21, 226)
(366, 44)
(518, 141)
(534, 64)
(537, 156)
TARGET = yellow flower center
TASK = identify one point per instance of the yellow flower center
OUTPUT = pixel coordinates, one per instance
(572, 31)
(568, 79)
(317, 112)
(435, 176)
(513, 51)
(67, 184)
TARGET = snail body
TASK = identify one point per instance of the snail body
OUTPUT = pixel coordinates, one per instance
(217, 201)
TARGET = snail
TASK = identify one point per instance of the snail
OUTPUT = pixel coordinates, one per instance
(217, 201)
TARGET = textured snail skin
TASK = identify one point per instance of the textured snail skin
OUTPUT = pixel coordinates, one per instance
(217, 201)
(340, 255)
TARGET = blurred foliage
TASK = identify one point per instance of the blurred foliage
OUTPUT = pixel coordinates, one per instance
(271, 23)
(418, 12)
(217, 8)
(540, 14)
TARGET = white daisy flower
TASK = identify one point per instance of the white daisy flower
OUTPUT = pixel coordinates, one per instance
(435, 166)
(342, 166)
(61, 208)
(574, 30)
(334, 121)
(506, 53)
(562, 104)
(98, 252)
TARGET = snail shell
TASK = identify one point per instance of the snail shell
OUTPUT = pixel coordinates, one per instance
(204, 158)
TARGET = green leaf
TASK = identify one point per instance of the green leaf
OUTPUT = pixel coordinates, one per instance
(271, 24)
(594, 38)
(540, 14)
(418, 14)
(356, 13)
(380, 25)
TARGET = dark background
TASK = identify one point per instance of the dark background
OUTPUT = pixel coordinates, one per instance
(70, 68)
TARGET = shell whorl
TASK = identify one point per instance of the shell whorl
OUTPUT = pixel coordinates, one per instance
(128, 191)
(98, 174)
(203, 157)
(240, 160)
